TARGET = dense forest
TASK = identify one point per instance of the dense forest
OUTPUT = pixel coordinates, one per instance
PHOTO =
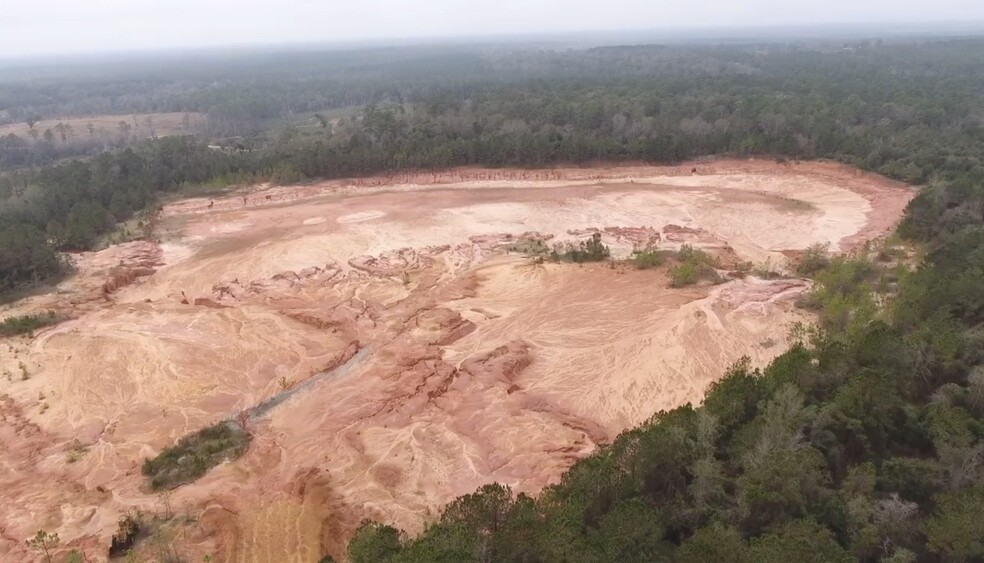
(863, 442)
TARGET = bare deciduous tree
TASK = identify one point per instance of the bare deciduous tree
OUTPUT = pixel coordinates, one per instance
(164, 499)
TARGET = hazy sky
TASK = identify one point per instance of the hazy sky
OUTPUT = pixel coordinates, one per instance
(84, 26)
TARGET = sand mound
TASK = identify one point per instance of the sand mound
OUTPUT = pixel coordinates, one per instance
(391, 343)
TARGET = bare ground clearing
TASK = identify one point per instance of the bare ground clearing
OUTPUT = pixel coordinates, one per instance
(462, 364)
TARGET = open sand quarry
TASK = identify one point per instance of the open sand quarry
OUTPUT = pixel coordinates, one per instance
(412, 358)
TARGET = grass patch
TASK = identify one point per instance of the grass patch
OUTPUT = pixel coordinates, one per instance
(24, 324)
(195, 454)
(590, 250)
(694, 266)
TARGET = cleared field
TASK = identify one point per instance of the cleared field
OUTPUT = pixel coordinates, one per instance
(402, 354)
(108, 126)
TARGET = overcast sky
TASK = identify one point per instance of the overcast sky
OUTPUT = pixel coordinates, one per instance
(86, 26)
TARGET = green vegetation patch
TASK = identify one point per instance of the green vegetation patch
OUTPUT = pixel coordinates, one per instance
(694, 266)
(650, 258)
(26, 259)
(24, 324)
(843, 296)
(590, 250)
(195, 454)
(815, 258)
(530, 246)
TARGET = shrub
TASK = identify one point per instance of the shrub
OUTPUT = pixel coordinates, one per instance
(842, 295)
(12, 326)
(591, 250)
(127, 531)
(815, 258)
(530, 246)
(695, 265)
(649, 258)
(683, 275)
(195, 454)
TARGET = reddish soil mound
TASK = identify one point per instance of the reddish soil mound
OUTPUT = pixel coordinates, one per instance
(123, 279)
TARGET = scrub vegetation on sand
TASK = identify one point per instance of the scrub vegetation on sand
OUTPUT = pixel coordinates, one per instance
(24, 324)
(650, 257)
(195, 454)
(590, 250)
(694, 265)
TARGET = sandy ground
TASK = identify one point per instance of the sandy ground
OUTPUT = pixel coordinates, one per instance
(417, 357)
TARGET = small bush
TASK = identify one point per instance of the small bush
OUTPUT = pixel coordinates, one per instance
(127, 532)
(529, 246)
(742, 269)
(688, 252)
(815, 258)
(75, 452)
(842, 295)
(649, 258)
(12, 326)
(695, 265)
(683, 275)
(195, 454)
(844, 274)
(591, 250)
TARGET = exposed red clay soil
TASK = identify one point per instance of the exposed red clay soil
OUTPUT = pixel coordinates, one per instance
(440, 359)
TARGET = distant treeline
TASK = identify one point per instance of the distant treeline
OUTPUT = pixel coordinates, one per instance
(910, 111)
(750, 97)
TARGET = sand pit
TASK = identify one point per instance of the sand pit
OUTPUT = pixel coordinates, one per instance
(392, 351)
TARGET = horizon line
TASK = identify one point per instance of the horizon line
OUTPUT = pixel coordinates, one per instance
(768, 33)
